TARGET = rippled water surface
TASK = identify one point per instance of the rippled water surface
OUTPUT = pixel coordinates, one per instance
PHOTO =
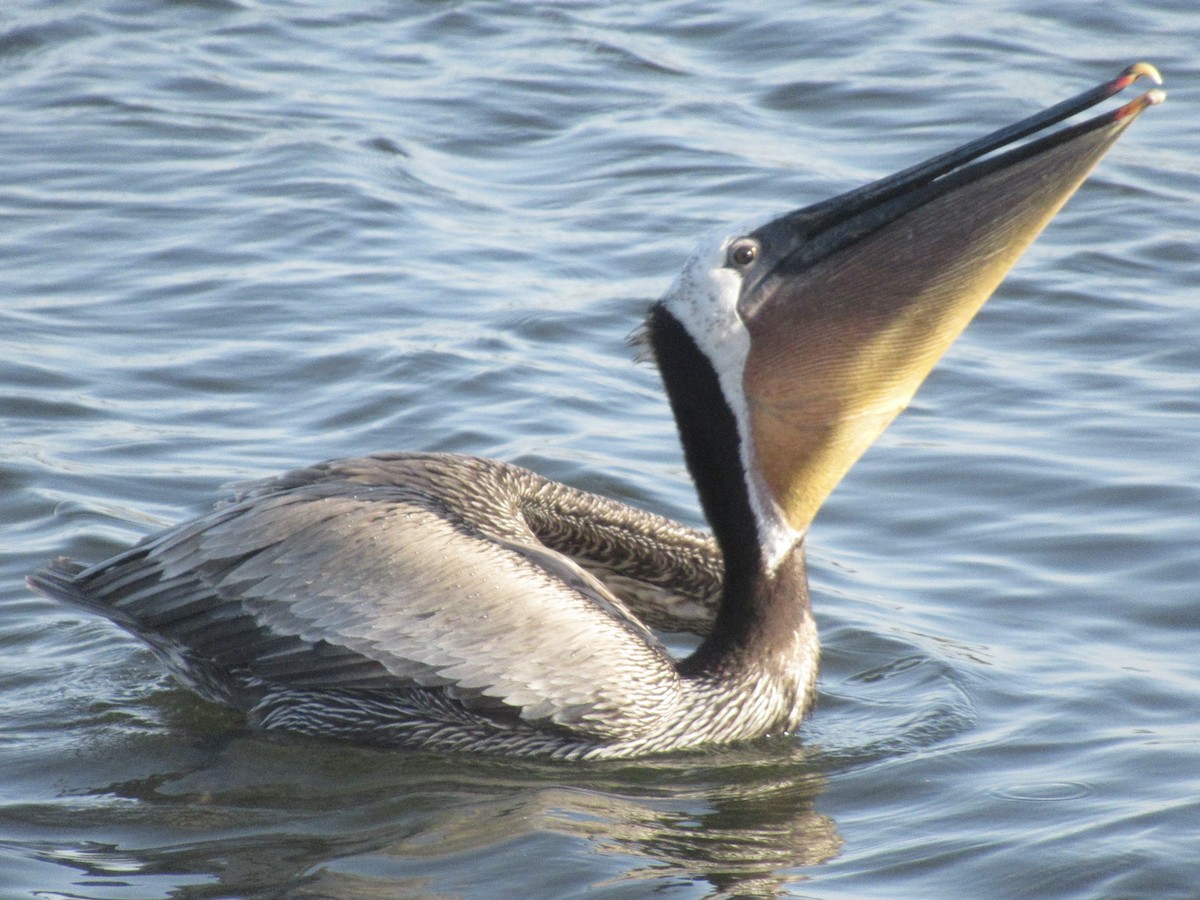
(240, 236)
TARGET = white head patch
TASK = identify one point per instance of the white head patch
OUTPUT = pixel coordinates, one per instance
(704, 299)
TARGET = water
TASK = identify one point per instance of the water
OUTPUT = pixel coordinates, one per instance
(241, 236)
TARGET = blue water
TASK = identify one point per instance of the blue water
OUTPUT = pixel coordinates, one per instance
(243, 236)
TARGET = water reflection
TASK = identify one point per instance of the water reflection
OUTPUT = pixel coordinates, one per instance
(744, 826)
(256, 816)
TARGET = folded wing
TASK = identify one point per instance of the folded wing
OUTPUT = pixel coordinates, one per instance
(334, 580)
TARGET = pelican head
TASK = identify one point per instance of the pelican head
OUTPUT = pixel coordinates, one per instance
(819, 325)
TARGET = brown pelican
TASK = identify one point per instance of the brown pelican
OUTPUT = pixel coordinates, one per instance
(451, 603)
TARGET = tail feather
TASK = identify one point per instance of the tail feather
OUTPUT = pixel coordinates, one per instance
(59, 580)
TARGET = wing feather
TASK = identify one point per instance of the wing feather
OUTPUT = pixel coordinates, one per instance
(333, 584)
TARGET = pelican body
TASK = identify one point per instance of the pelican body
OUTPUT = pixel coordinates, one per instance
(445, 602)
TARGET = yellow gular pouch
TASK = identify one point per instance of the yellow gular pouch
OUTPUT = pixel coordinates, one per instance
(837, 351)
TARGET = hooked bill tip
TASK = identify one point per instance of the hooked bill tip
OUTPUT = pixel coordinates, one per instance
(1136, 71)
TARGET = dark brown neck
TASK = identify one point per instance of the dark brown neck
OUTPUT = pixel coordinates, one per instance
(758, 623)
(762, 608)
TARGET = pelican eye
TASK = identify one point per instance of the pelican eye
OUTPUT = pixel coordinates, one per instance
(743, 252)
